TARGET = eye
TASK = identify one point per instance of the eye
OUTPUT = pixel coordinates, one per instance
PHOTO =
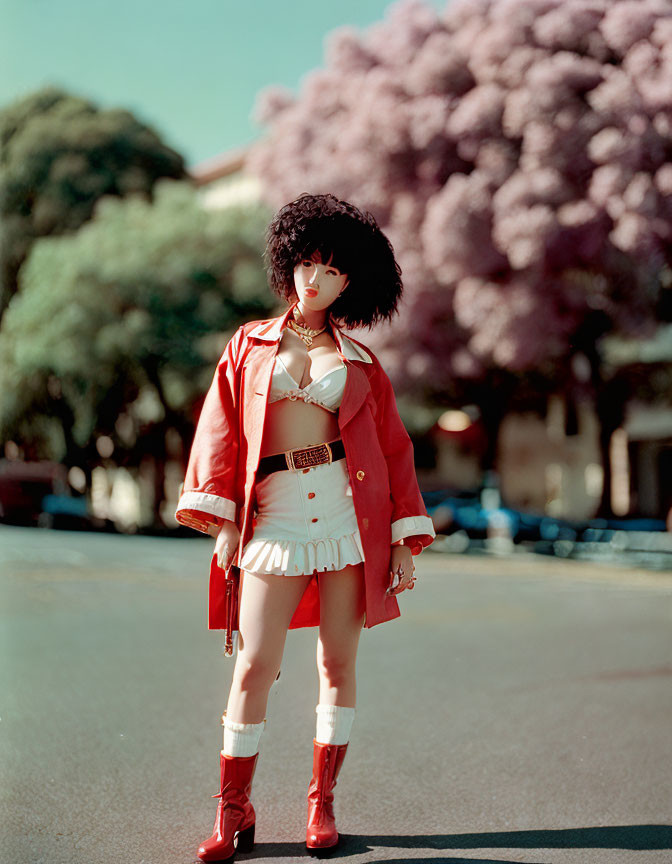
(307, 263)
(333, 273)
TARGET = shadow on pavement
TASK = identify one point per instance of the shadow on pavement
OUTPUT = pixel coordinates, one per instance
(640, 837)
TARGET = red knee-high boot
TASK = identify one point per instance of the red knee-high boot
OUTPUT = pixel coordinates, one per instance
(321, 832)
(235, 814)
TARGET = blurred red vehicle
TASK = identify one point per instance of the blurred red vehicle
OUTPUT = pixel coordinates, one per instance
(39, 494)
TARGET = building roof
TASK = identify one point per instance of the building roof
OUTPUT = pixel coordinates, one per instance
(218, 167)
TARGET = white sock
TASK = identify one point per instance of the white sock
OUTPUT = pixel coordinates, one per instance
(241, 739)
(334, 723)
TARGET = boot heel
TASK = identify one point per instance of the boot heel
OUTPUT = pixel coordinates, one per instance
(246, 839)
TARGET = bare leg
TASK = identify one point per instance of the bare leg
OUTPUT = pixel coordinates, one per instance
(267, 603)
(342, 608)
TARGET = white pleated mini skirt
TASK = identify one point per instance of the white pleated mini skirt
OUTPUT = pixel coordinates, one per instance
(306, 523)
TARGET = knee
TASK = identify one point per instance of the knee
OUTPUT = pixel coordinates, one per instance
(338, 671)
(255, 673)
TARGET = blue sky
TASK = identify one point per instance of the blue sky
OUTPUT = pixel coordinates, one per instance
(191, 70)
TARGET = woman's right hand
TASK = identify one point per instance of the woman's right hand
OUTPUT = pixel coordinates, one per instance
(226, 543)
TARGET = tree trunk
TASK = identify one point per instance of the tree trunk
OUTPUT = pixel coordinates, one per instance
(159, 478)
(610, 400)
(494, 404)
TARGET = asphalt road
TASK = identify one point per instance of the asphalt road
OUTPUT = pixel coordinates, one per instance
(519, 710)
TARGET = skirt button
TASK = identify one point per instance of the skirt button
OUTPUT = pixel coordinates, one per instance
(361, 475)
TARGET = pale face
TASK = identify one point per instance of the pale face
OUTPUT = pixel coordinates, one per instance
(318, 284)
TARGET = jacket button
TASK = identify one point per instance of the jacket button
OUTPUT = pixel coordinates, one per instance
(361, 475)
(313, 520)
(311, 494)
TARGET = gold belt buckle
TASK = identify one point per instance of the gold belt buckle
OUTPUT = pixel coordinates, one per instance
(308, 457)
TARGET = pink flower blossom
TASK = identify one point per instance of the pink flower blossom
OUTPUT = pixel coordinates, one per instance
(516, 153)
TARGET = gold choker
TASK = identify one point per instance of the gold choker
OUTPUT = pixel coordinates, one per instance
(307, 334)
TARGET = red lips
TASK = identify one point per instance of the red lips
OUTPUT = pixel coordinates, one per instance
(310, 292)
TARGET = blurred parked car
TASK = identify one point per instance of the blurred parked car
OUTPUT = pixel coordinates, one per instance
(39, 494)
(462, 512)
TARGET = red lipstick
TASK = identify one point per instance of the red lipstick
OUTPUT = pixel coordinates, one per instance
(310, 292)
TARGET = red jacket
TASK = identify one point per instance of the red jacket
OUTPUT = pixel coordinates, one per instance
(226, 449)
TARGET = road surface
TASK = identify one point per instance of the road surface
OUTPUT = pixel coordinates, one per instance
(518, 710)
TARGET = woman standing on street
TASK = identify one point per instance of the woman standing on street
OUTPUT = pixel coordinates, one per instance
(303, 471)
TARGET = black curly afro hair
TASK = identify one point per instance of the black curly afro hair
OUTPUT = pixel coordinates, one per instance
(356, 246)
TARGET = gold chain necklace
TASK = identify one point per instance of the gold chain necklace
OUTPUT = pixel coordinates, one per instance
(307, 334)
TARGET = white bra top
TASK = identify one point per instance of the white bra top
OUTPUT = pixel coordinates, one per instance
(326, 391)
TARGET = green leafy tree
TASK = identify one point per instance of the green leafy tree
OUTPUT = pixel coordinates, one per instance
(116, 329)
(58, 155)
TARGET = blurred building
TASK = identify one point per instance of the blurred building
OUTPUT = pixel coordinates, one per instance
(543, 469)
(648, 439)
(223, 182)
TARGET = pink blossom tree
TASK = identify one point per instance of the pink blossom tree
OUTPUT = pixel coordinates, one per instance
(518, 154)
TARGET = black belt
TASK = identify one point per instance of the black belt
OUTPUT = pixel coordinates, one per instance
(303, 457)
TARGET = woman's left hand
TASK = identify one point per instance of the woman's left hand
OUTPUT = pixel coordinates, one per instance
(401, 570)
